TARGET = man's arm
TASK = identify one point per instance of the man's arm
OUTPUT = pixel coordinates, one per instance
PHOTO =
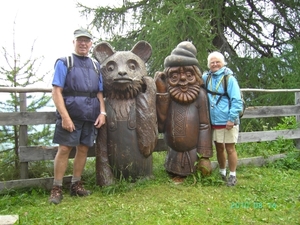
(58, 100)
(102, 114)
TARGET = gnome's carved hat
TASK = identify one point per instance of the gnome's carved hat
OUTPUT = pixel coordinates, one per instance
(183, 55)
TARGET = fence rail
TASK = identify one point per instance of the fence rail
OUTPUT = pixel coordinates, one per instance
(38, 153)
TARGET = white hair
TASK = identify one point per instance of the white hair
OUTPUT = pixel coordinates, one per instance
(217, 55)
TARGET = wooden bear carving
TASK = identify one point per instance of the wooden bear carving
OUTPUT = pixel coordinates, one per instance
(128, 138)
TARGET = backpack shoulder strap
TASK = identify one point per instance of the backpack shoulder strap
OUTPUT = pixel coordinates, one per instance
(95, 63)
(210, 91)
(225, 80)
(207, 80)
(225, 83)
(70, 61)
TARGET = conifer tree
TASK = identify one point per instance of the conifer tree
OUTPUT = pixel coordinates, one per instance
(259, 38)
(18, 72)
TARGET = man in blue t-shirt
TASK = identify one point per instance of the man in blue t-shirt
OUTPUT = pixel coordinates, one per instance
(77, 95)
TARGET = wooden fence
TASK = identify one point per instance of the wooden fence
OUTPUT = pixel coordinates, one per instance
(37, 153)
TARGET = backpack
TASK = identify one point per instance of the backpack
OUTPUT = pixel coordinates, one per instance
(70, 63)
(224, 83)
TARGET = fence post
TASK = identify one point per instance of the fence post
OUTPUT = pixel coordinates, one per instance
(23, 137)
(297, 102)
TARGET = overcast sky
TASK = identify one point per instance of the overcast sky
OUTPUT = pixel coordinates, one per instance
(50, 23)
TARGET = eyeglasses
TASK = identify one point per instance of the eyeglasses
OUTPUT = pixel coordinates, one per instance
(86, 41)
(216, 62)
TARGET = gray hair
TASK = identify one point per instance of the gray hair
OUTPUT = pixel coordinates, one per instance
(217, 55)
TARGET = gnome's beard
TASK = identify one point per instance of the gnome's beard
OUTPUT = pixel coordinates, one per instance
(184, 97)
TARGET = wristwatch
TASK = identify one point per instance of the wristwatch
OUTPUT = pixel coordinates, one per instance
(104, 113)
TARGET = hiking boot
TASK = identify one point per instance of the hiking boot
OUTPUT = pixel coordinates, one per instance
(223, 177)
(231, 181)
(56, 194)
(77, 189)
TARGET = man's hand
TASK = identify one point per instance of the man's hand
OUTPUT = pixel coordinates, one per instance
(68, 124)
(100, 121)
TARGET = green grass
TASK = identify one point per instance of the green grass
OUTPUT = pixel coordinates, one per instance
(263, 195)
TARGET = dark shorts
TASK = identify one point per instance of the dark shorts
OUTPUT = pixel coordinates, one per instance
(84, 133)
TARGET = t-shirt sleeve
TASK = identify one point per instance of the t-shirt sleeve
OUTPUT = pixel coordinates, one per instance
(60, 73)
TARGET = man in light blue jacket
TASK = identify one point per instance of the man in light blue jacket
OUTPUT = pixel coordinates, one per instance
(224, 113)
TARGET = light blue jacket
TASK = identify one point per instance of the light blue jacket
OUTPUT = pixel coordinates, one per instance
(221, 113)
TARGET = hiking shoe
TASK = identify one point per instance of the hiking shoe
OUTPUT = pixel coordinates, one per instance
(223, 177)
(56, 194)
(231, 181)
(77, 189)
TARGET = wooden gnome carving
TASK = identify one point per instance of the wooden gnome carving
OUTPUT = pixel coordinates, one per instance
(183, 113)
(130, 133)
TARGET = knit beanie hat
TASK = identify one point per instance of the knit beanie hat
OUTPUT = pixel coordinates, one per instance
(183, 55)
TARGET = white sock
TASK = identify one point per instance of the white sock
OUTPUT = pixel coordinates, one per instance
(232, 173)
(222, 171)
(75, 179)
(57, 182)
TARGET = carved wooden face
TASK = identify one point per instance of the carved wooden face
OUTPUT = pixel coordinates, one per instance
(123, 70)
(182, 77)
(183, 84)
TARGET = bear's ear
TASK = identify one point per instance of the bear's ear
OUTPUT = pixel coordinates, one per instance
(102, 51)
(142, 49)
